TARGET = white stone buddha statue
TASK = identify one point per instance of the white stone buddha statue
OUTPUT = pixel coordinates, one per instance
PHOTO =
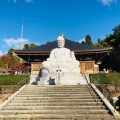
(61, 58)
(61, 67)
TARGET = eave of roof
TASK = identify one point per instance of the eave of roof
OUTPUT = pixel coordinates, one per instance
(76, 51)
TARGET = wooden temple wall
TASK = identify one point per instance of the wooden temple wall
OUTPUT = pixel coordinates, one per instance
(85, 66)
(35, 68)
(89, 67)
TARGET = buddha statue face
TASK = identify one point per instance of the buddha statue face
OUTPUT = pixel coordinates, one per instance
(61, 41)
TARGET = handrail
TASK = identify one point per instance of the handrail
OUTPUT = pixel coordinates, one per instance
(104, 91)
(86, 76)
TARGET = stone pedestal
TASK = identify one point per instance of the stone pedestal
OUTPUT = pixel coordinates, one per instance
(62, 79)
(34, 79)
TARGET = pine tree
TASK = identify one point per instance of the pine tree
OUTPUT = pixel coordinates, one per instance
(88, 40)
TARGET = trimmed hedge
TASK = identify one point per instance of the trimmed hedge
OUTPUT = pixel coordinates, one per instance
(106, 78)
(14, 79)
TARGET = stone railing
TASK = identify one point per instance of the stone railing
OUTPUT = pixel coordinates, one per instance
(104, 91)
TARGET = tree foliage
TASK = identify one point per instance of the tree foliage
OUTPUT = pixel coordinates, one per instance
(6, 62)
(13, 64)
(88, 40)
(10, 52)
(26, 46)
(112, 61)
(114, 39)
(48, 42)
(101, 43)
(20, 68)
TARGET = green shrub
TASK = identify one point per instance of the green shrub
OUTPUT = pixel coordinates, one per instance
(14, 79)
(105, 78)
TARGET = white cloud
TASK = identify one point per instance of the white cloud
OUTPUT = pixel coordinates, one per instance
(80, 41)
(28, 1)
(16, 43)
(14, 1)
(102, 36)
(108, 2)
(37, 43)
(1, 53)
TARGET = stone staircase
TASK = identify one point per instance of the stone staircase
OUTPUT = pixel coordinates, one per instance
(63, 102)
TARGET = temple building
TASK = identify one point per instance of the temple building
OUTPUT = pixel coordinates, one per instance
(89, 56)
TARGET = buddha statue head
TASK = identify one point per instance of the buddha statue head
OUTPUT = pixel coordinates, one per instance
(61, 41)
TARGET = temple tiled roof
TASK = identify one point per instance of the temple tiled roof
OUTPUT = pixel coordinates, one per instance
(82, 51)
(75, 46)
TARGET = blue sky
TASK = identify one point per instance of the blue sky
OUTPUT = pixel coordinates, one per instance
(45, 20)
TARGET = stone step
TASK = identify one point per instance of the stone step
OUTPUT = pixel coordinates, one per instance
(57, 112)
(67, 89)
(59, 91)
(73, 102)
(61, 99)
(56, 97)
(53, 107)
(39, 94)
(56, 94)
(52, 88)
(57, 100)
(50, 92)
(56, 117)
(57, 87)
(57, 104)
(62, 103)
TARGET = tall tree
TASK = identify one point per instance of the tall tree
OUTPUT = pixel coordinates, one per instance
(88, 40)
(48, 42)
(12, 55)
(26, 46)
(6, 62)
(32, 45)
(114, 41)
(10, 52)
(101, 43)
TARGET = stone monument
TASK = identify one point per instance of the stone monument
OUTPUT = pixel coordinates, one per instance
(61, 67)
